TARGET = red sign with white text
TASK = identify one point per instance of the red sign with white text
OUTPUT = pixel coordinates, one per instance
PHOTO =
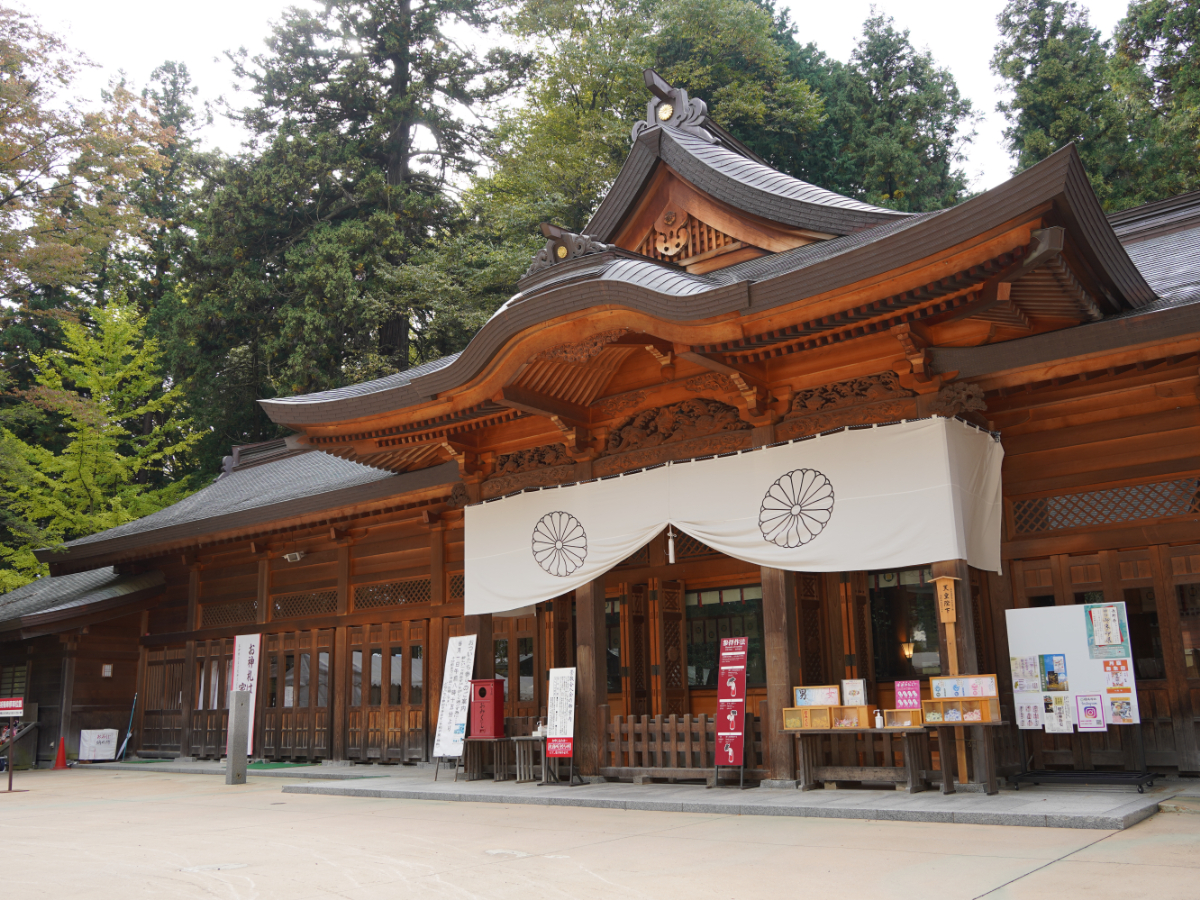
(13, 707)
(731, 701)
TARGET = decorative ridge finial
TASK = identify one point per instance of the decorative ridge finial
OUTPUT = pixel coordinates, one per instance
(562, 245)
(671, 106)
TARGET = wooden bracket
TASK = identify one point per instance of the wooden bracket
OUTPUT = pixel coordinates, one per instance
(752, 388)
(576, 439)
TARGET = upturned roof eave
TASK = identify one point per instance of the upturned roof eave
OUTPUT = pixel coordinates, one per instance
(1059, 180)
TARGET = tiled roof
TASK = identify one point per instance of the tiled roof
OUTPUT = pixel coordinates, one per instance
(295, 485)
(69, 592)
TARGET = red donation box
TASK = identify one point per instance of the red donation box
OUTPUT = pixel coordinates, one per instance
(487, 708)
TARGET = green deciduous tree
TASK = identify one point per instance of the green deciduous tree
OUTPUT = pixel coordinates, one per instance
(124, 446)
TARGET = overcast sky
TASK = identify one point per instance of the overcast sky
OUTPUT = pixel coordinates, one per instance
(137, 35)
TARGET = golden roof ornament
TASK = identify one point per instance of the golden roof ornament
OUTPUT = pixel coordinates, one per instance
(671, 106)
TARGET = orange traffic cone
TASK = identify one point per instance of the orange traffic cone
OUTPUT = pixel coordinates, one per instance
(60, 761)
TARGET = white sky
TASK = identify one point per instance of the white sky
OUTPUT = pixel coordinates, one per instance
(137, 35)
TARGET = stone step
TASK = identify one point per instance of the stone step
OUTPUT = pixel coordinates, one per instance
(1181, 805)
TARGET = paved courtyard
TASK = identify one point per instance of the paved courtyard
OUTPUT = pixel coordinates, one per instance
(101, 833)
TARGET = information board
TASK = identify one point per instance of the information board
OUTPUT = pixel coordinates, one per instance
(247, 651)
(731, 701)
(99, 744)
(560, 714)
(1072, 666)
(13, 707)
(908, 695)
(456, 697)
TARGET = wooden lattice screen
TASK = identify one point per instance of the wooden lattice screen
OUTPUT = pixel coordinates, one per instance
(392, 593)
(243, 612)
(1131, 503)
(303, 603)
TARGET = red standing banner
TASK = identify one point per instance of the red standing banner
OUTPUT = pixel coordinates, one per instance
(731, 701)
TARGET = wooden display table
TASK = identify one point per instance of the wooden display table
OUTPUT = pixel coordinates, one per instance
(527, 746)
(473, 761)
(947, 752)
(911, 777)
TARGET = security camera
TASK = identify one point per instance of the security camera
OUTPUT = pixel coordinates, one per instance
(294, 556)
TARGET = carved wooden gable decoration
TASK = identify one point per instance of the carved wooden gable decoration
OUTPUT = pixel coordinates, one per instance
(678, 223)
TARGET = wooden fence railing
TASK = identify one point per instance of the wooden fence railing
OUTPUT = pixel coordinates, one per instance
(672, 746)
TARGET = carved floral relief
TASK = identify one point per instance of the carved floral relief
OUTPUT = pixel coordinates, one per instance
(582, 351)
(678, 422)
(868, 389)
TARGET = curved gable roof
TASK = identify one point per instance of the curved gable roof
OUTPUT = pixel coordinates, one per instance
(733, 178)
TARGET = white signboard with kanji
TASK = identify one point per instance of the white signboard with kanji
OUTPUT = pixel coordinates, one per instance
(456, 698)
(247, 651)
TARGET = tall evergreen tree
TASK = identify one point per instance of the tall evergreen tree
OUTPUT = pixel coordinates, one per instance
(1057, 68)
(361, 123)
(905, 123)
(1156, 67)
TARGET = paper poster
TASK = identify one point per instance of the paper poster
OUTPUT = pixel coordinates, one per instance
(1089, 712)
(1118, 678)
(98, 744)
(731, 701)
(1121, 711)
(560, 714)
(908, 695)
(1056, 711)
(1107, 630)
(1026, 679)
(1053, 667)
(854, 692)
(451, 729)
(247, 651)
(947, 688)
(1029, 714)
(981, 686)
(826, 695)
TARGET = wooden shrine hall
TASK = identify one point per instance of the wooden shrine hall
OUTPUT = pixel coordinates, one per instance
(714, 306)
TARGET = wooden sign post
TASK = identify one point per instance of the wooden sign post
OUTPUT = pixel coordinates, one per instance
(947, 606)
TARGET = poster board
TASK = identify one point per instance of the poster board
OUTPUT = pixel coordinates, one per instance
(451, 729)
(560, 714)
(731, 702)
(98, 744)
(1072, 666)
(247, 652)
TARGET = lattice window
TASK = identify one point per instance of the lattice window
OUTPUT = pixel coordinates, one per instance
(303, 603)
(392, 593)
(458, 585)
(242, 613)
(1132, 503)
(687, 547)
(637, 558)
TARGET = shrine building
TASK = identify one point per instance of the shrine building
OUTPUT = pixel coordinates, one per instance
(737, 405)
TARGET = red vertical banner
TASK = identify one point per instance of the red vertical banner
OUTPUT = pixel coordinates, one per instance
(731, 701)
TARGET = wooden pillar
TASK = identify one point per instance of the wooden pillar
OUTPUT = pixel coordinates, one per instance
(967, 656)
(591, 684)
(485, 654)
(437, 564)
(783, 666)
(68, 693)
(338, 673)
(187, 701)
(264, 587)
(1183, 720)
(435, 648)
(135, 743)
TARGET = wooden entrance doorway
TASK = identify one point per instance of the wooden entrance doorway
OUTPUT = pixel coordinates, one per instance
(294, 694)
(385, 674)
(654, 649)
